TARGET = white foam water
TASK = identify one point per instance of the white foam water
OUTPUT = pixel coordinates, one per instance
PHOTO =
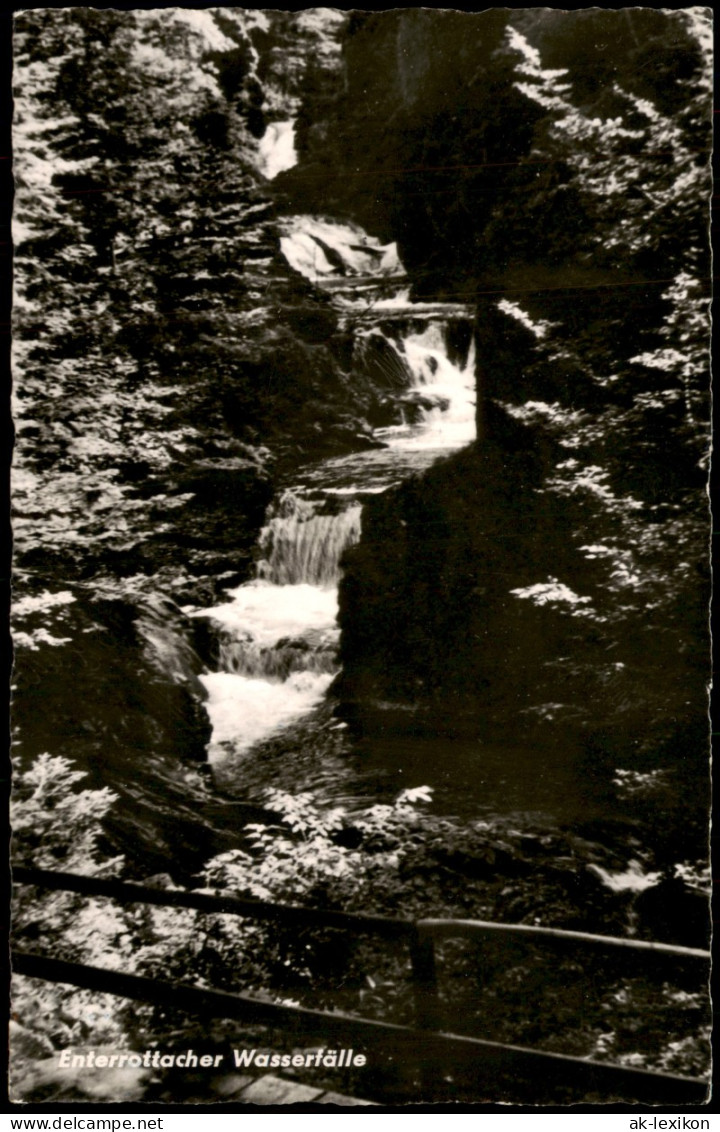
(323, 250)
(245, 709)
(276, 149)
(268, 613)
(277, 633)
(448, 421)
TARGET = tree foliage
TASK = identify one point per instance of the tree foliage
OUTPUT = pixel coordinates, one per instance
(156, 323)
(393, 858)
(617, 188)
(157, 332)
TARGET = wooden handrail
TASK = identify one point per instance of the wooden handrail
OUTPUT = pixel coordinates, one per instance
(430, 1044)
(469, 928)
(129, 892)
(488, 1058)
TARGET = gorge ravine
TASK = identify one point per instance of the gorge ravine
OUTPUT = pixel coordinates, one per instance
(277, 635)
(523, 620)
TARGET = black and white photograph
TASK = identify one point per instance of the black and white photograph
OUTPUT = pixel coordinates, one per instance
(361, 395)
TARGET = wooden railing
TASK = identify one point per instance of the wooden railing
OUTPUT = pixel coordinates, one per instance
(430, 1043)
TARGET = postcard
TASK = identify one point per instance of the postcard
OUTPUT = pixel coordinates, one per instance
(361, 389)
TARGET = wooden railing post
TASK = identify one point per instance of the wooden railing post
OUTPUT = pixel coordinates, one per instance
(427, 1003)
(424, 977)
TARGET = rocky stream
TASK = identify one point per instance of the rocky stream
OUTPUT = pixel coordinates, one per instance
(378, 462)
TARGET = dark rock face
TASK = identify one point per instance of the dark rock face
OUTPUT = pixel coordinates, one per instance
(432, 172)
(551, 578)
(111, 683)
(441, 605)
(425, 65)
(469, 610)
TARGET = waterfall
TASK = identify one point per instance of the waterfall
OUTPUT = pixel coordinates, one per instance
(324, 251)
(276, 150)
(243, 656)
(277, 635)
(301, 544)
(440, 402)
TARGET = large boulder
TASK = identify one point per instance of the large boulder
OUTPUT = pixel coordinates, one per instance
(110, 680)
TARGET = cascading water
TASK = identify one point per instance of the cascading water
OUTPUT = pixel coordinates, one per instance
(277, 635)
(301, 544)
(276, 149)
(444, 406)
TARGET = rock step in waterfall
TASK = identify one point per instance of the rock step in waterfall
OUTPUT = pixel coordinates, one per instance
(277, 634)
